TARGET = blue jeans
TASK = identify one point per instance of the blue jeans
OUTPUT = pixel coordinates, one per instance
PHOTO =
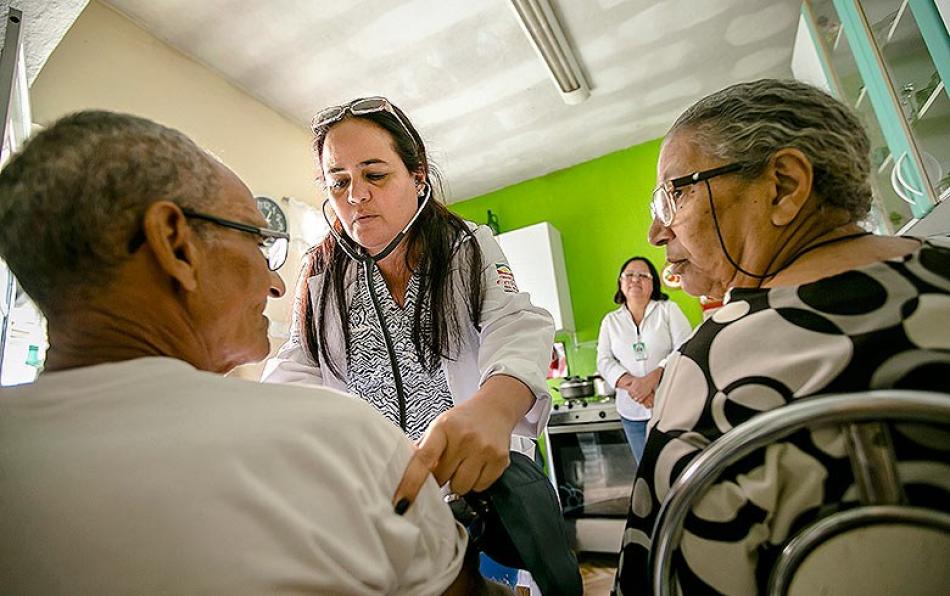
(636, 431)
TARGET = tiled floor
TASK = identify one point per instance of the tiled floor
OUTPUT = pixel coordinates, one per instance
(597, 572)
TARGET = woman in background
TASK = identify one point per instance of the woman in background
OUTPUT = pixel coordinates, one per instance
(634, 342)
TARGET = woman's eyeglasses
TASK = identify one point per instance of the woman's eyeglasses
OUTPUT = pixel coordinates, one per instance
(274, 244)
(663, 205)
(359, 107)
(636, 276)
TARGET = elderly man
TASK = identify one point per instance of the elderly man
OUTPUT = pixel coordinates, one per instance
(127, 467)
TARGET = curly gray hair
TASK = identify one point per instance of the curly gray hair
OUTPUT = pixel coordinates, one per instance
(748, 122)
(73, 199)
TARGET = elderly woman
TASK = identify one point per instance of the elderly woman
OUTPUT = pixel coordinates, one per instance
(761, 190)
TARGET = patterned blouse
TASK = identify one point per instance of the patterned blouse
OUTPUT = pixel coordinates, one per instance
(369, 371)
(883, 326)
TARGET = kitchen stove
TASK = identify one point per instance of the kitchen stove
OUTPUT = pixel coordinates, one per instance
(581, 411)
(590, 464)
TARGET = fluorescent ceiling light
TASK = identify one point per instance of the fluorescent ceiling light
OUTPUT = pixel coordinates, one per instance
(543, 29)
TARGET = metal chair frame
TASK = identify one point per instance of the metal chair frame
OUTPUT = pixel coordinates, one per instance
(798, 549)
(861, 416)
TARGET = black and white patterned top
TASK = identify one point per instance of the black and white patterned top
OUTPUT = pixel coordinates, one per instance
(883, 326)
(369, 372)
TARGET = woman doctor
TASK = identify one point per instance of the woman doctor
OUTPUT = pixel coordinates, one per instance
(634, 342)
(413, 309)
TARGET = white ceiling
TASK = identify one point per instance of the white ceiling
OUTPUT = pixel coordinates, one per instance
(468, 77)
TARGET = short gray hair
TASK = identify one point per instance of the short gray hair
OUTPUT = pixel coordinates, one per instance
(747, 123)
(73, 199)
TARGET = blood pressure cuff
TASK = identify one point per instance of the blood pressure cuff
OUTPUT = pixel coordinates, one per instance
(518, 523)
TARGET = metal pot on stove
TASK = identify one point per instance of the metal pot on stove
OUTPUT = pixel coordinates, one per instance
(576, 388)
(601, 387)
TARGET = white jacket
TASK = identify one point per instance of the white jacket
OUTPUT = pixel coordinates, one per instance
(515, 339)
(663, 329)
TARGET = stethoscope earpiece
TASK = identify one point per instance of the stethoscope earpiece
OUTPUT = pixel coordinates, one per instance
(422, 189)
(356, 252)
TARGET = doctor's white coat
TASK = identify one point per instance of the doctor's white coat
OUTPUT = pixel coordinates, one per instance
(514, 338)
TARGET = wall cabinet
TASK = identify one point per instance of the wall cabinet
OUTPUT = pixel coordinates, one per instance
(890, 60)
(536, 257)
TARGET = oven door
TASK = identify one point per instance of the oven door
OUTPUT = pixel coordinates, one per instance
(593, 470)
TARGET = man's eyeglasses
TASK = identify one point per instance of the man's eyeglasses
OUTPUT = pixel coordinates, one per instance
(358, 107)
(663, 205)
(636, 276)
(274, 244)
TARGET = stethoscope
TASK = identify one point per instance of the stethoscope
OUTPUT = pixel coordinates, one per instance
(368, 261)
(357, 253)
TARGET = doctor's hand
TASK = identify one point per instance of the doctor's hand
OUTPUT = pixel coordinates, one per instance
(468, 445)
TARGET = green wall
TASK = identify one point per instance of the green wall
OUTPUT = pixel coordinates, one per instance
(601, 208)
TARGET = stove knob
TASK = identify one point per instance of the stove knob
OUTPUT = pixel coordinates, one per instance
(556, 406)
(584, 404)
(603, 414)
(570, 405)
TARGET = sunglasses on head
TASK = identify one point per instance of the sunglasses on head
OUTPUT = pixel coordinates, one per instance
(358, 107)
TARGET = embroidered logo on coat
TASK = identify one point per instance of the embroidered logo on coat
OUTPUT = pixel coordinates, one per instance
(506, 279)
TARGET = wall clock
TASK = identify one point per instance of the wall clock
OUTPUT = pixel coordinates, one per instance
(276, 219)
